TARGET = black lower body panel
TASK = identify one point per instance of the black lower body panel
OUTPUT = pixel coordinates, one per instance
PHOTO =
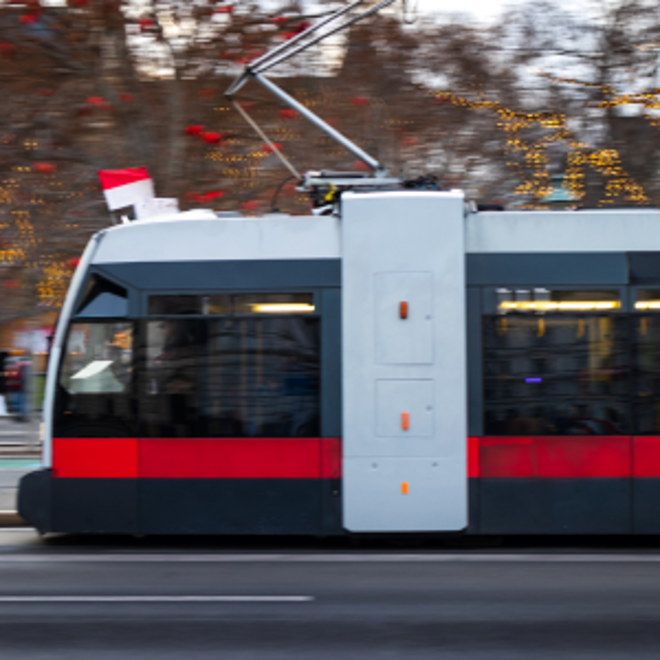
(553, 506)
(231, 506)
(35, 499)
(181, 506)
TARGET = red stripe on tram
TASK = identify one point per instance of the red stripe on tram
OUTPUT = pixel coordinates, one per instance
(564, 457)
(95, 458)
(198, 458)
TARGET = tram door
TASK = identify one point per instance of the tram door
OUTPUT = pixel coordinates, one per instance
(404, 362)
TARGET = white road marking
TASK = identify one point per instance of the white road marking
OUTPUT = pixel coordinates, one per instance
(41, 557)
(156, 599)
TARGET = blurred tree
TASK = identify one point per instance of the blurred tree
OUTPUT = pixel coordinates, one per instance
(504, 112)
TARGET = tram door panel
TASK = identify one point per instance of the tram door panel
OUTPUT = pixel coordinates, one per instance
(404, 362)
(404, 317)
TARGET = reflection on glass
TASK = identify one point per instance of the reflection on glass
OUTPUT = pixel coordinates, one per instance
(95, 393)
(232, 377)
(556, 374)
(647, 299)
(98, 358)
(543, 300)
(230, 305)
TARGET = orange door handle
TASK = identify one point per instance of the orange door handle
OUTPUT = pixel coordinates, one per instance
(405, 420)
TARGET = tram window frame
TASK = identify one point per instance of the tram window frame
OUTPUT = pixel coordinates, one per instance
(490, 310)
(95, 287)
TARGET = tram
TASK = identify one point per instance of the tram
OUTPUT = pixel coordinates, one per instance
(396, 362)
(409, 366)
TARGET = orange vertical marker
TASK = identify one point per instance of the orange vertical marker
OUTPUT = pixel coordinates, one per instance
(403, 309)
(405, 420)
(404, 487)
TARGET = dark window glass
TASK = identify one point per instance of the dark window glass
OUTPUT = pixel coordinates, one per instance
(263, 377)
(95, 388)
(228, 305)
(232, 377)
(103, 298)
(171, 381)
(174, 305)
(646, 372)
(556, 374)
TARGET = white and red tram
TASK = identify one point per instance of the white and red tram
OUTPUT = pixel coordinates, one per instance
(409, 366)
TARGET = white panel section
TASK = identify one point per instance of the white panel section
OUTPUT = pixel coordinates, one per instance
(409, 340)
(620, 230)
(395, 398)
(434, 499)
(408, 244)
(204, 237)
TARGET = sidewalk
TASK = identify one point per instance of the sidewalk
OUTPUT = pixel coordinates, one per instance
(20, 452)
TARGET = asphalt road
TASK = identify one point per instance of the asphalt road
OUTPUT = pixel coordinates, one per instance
(67, 598)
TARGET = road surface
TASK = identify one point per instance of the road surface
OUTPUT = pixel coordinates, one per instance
(71, 598)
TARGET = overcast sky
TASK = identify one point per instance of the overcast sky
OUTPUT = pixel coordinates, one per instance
(480, 9)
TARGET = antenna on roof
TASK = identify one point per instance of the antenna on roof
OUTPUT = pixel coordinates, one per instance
(312, 181)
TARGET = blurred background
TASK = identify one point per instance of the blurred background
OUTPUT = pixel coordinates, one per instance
(529, 105)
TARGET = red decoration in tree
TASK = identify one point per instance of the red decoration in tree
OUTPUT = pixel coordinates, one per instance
(211, 137)
(301, 27)
(44, 168)
(225, 9)
(194, 129)
(279, 20)
(96, 100)
(73, 263)
(203, 198)
(360, 166)
(146, 24)
(288, 113)
(277, 146)
(126, 97)
(12, 284)
(250, 205)
(29, 18)
(288, 35)
(78, 3)
(360, 100)
(410, 140)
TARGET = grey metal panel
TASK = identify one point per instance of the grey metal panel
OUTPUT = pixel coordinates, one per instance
(330, 362)
(644, 267)
(593, 230)
(400, 481)
(201, 236)
(547, 269)
(229, 275)
(474, 362)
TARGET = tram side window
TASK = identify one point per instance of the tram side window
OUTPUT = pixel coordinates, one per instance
(94, 397)
(557, 373)
(171, 387)
(263, 377)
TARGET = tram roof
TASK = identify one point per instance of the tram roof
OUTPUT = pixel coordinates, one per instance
(202, 235)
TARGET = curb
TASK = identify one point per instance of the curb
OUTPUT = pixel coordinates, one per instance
(11, 519)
